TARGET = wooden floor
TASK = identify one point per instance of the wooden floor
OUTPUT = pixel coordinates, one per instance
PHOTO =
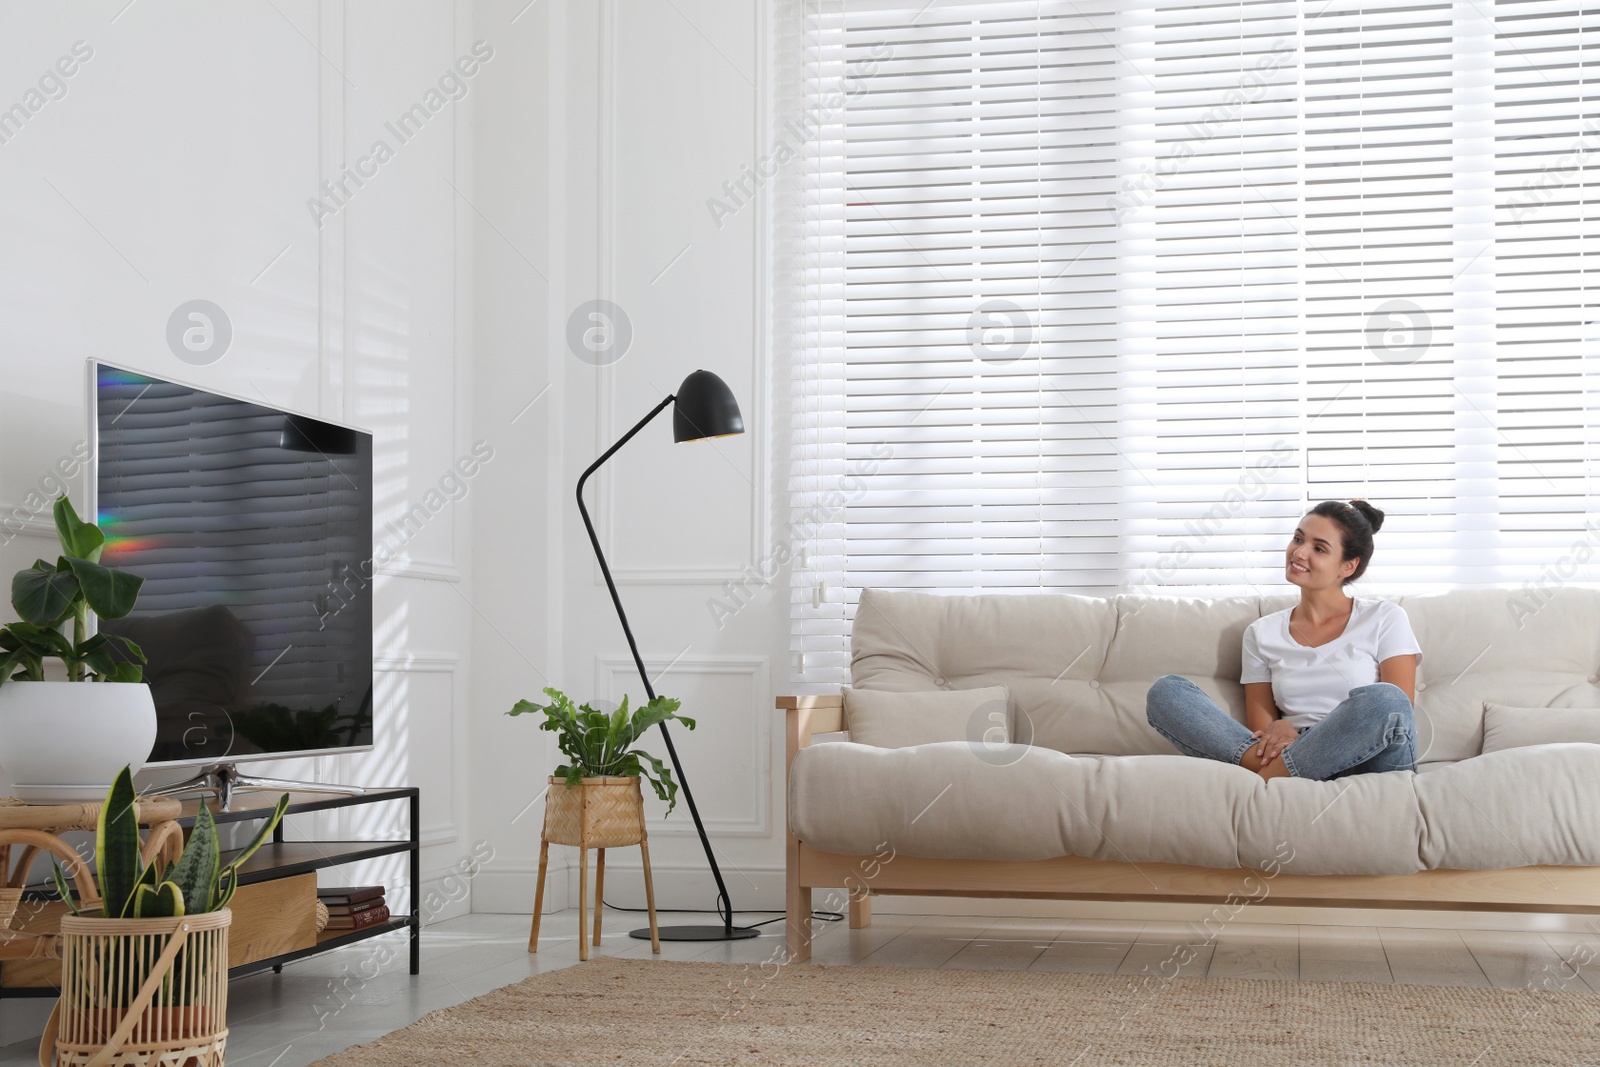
(321, 1005)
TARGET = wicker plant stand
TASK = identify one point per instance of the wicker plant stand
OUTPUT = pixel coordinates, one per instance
(600, 813)
(141, 993)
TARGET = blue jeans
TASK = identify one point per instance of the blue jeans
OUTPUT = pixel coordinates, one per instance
(1371, 730)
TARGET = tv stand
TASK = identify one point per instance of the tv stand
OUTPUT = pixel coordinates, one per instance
(225, 779)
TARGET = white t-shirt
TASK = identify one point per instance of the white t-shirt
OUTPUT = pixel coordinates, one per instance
(1307, 683)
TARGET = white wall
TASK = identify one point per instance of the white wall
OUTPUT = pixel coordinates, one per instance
(647, 109)
(178, 165)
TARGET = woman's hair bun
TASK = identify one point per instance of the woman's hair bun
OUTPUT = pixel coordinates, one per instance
(1374, 516)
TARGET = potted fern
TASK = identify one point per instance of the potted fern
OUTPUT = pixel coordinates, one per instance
(63, 740)
(145, 974)
(599, 748)
(594, 800)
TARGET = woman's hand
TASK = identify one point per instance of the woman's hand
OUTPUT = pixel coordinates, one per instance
(1274, 739)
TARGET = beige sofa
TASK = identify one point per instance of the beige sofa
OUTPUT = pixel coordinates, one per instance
(1099, 806)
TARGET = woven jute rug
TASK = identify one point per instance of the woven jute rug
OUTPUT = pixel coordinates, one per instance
(651, 1012)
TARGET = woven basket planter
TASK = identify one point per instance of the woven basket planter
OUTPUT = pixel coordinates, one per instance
(597, 813)
(141, 993)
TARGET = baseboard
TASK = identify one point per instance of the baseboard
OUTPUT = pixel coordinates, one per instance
(510, 892)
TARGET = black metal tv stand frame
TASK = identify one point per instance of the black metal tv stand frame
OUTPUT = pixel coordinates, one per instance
(281, 858)
(225, 779)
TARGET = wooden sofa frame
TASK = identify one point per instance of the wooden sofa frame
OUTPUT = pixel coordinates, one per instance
(1517, 889)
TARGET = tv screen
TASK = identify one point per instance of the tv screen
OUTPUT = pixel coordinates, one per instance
(252, 529)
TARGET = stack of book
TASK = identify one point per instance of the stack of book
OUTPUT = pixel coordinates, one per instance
(354, 907)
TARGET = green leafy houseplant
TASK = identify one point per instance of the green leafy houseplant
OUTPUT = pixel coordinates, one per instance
(600, 744)
(48, 595)
(132, 889)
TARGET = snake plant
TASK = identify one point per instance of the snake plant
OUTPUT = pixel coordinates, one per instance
(132, 889)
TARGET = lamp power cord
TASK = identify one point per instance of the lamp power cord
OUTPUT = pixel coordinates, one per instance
(824, 916)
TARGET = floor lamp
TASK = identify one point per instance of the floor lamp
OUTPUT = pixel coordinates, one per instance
(703, 407)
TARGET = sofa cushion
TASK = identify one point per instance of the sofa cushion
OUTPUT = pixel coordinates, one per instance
(1513, 808)
(1505, 809)
(1506, 727)
(900, 720)
(939, 800)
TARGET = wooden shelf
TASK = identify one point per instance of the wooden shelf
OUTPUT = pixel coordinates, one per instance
(279, 859)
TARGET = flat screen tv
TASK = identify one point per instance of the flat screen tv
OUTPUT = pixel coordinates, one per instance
(252, 529)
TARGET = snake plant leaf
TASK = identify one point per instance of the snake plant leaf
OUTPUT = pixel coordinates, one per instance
(43, 594)
(78, 538)
(63, 890)
(110, 593)
(163, 901)
(261, 835)
(196, 872)
(227, 885)
(117, 846)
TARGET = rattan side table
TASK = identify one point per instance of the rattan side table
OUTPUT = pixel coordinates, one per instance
(36, 828)
(600, 813)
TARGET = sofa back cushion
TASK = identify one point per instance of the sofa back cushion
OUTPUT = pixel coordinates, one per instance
(901, 720)
(1507, 727)
(1078, 668)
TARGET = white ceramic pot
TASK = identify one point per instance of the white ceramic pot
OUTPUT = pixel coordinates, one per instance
(64, 742)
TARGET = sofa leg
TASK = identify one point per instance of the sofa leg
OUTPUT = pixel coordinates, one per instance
(797, 909)
(860, 910)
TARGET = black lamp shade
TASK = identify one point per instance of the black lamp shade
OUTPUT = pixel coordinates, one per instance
(705, 407)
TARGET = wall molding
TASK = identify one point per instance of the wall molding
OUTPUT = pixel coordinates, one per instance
(417, 662)
(17, 520)
(755, 668)
(333, 313)
(446, 663)
(605, 393)
(422, 569)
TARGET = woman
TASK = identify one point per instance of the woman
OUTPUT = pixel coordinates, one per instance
(1328, 684)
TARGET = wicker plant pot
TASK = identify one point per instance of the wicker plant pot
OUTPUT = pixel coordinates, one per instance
(598, 813)
(142, 992)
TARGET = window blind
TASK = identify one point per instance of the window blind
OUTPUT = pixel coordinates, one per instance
(1100, 297)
